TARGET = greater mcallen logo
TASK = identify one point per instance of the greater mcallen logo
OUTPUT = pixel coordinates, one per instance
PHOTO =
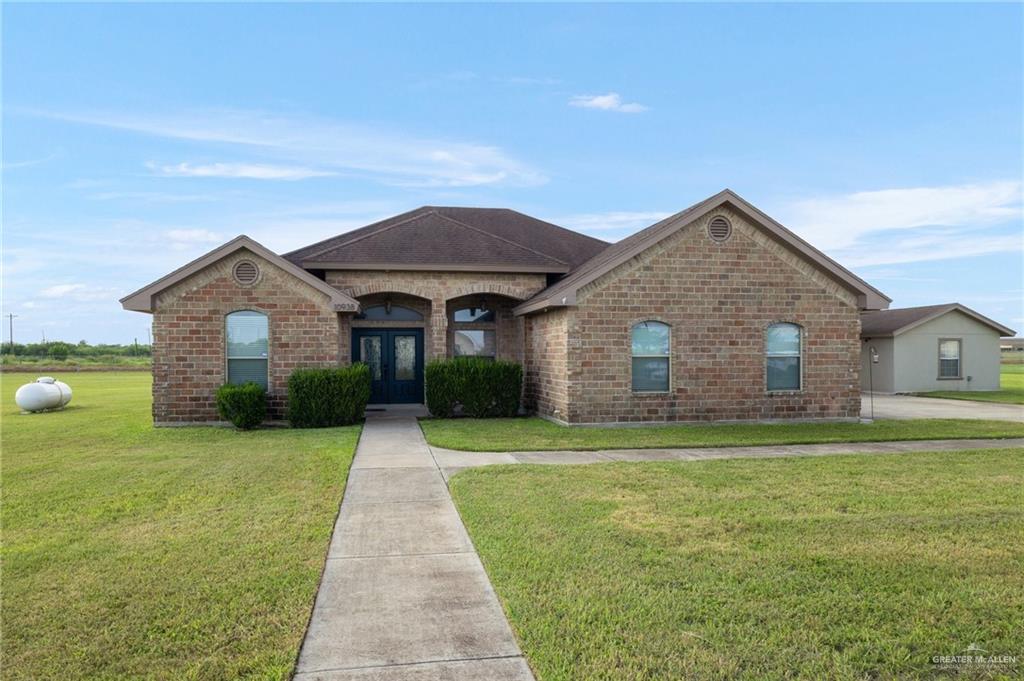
(974, 657)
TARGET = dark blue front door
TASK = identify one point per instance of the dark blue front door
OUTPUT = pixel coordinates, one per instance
(395, 358)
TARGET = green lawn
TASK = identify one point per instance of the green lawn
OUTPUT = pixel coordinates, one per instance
(535, 434)
(852, 567)
(174, 553)
(1011, 383)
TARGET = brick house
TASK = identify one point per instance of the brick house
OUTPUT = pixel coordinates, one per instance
(715, 313)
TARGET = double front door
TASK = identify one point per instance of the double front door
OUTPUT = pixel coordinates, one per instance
(395, 358)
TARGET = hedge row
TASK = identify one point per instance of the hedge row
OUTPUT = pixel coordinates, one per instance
(483, 387)
(320, 398)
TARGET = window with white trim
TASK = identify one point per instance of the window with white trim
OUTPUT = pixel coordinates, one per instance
(651, 355)
(247, 347)
(949, 358)
(782, 357)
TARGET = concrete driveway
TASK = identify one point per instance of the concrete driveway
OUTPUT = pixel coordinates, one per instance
(909, 407)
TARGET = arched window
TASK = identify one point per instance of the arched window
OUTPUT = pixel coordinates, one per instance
(782, 357)
(247, 347)
(651, 357)
(390, 313)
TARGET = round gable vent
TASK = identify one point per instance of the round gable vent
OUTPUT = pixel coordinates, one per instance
(246, 272)
(719, 229)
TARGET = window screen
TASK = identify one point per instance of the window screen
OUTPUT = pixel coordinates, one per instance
(651, 357)
(782, 355)
(949, 359)
(247, 347)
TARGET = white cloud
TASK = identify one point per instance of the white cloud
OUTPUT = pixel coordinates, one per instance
(249, 171)
(930, 248)
(151, 197)
(12, 165)
(838, 222)
(78, 292)
(609, 102)
(614, 224)
(388, 156)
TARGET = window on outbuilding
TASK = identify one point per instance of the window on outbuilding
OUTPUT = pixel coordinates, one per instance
(949, 358)
(651, 343)
(782, 357)
(247, 347)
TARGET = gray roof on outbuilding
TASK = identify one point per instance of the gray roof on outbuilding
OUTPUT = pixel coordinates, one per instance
(882, 323)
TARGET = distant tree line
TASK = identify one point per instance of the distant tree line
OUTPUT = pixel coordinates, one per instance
(61, 350)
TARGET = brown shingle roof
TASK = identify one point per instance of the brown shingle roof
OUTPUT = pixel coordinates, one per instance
(463, 238)
(881, 323)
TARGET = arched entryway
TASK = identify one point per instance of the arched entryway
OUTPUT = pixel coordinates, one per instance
(388, 335)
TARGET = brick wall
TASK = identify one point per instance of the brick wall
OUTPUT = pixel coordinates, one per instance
(189, 361)
(436, 289)
(546, 388)
(718, 298)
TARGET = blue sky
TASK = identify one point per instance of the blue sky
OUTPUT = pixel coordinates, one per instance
(137, 137)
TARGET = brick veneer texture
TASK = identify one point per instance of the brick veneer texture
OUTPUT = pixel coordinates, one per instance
(189, 362)
(438, 288)
(718, 299)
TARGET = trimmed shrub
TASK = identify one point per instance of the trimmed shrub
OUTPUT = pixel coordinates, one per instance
(442, 387)
(506, 379)
(243, 405)
(321, 398)
(483, 387)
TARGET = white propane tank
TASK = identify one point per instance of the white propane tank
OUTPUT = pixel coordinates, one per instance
(45, 393)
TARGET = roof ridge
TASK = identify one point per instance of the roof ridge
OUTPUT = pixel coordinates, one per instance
(499, 238)
(556, 226)
(375, 232)
(339, 236)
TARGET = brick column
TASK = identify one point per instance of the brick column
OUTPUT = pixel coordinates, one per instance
(437, 343)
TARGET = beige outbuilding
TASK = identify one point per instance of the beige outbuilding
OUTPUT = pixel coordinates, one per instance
(936, 347)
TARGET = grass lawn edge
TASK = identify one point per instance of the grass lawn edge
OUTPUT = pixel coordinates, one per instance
(463, 434)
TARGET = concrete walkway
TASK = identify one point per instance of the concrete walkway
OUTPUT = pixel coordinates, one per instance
(911, 407)
(452, 461)
(404, 595)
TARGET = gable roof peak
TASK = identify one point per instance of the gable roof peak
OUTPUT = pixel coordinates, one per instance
(564, 291)
(895, 321)
(142, 300)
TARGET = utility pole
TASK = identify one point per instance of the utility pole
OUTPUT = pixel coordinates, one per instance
(10, 333)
